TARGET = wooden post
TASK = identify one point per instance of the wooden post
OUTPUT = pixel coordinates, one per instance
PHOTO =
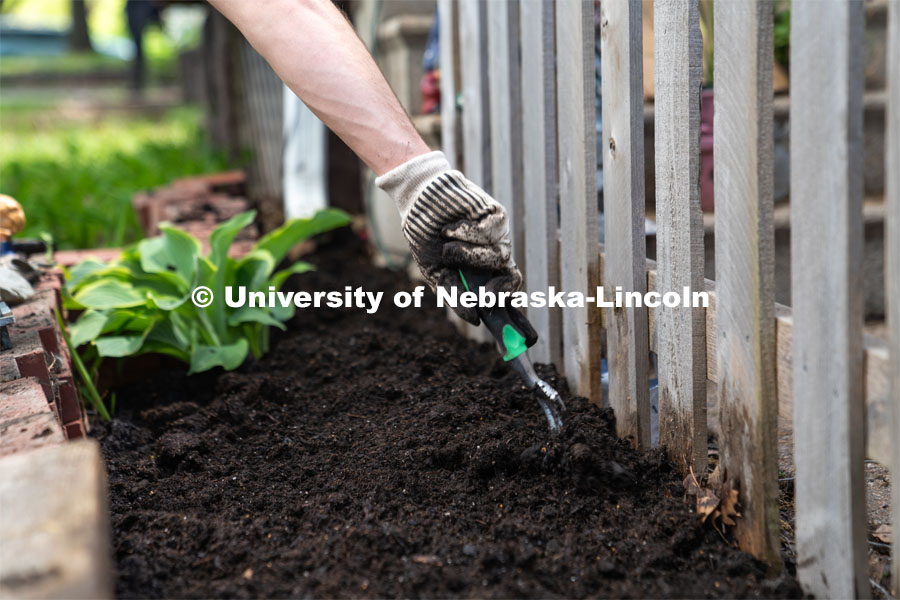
(539, 181)
(745, 270)
(305, 173)
(447, 40)
(892, 262)
(627, 335)
(476, 118)
(579, 244)
(682, 331)
(827, 296)
(506, 117)
(220, 42)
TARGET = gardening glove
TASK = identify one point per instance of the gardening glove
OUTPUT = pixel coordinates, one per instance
(451, 224)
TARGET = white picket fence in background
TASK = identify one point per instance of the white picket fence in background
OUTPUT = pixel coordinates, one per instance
(525, 72)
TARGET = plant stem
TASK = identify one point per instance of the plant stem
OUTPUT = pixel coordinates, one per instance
(253, 340)
(93, 395)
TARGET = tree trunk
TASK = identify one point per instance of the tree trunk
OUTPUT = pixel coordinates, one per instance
(79, 37)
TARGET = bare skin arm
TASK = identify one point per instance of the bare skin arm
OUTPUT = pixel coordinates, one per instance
(317, 54)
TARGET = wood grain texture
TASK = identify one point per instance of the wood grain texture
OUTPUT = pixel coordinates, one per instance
(681, 331)
(892, 264)
(579, 244)
(54, 524)
(504, 75)
(745, 270)
(476, 118)
(877, 373)
(826, 290)
(539, 181)
(305, 173)
(449, 125)
(447, 42)
(627, 335)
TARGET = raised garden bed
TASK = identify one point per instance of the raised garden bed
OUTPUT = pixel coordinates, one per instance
(384, 455)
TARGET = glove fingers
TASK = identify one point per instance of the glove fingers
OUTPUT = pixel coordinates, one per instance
(476, 256)
(507, 280)
(522, 324)
(486, 231)
(449, 278)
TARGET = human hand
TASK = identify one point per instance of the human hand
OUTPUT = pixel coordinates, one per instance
(451, 224)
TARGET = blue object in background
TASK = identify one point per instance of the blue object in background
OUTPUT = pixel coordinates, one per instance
(17, 41)
(431, 58)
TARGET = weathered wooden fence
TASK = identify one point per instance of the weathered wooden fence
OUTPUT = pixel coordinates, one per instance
(526, 79)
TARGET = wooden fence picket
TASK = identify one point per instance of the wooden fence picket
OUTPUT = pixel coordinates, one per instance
(506, 117)
(827, 296)
(448, 49)
(892, 263)
(476, 117)
(528, 136)
(682, 331)
(579, 243)
(627, 334)
(745, 270)
(539, 180)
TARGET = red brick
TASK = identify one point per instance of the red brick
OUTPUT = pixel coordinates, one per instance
(69, 407)
(37, 312)
(214, 179)
(29, 432)
(49, 339)
(22, 397)
(68, 258)
(74, 430)
(9, 370)
(55, 410)
(53, 281)
(33, 364)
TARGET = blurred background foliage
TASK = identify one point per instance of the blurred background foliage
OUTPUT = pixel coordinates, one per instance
(75, 179)
(109, 36)
(74, 150)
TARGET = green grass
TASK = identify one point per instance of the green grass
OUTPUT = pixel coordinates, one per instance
(160, 66)
(106, 19)
(76, 179)
(66, 64)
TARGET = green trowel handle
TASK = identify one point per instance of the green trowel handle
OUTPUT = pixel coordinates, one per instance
(509, 335)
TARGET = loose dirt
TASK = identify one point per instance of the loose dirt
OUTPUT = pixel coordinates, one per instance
(383, 455)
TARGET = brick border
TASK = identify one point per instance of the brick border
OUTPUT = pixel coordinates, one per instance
(39, 352)
(55, 523)
(39, 355)
(41, 409)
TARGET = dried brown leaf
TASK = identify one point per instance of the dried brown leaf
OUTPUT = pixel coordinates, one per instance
(729, 506)
(707, 503)
(883, 534)
(691, 485)
(715, 478)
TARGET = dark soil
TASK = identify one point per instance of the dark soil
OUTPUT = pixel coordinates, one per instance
(383, 455)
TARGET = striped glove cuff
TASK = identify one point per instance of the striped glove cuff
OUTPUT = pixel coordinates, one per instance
(405, 183)
(451, 224)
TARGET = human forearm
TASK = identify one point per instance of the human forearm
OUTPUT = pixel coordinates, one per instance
(450, 223)
(317, 54)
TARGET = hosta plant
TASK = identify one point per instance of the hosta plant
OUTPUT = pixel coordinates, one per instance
(141, 302)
